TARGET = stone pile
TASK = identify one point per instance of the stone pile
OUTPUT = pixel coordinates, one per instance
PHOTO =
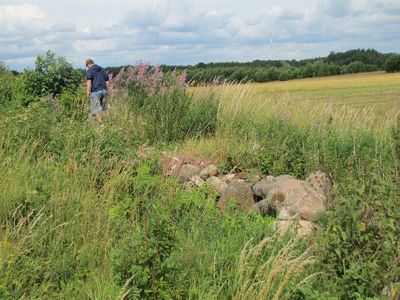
(292, 201)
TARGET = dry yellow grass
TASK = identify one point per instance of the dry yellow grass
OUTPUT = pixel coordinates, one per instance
(367, 100)
(378, 90)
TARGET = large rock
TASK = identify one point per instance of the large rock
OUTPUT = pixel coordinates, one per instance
(238, 190)
(209, 171)
(304, 199)
(172, 165)
(197, 181)
(228, 178)
(187, 172)
(218, 185)
(262, 188)
(320, 182)
(283, 215)
(264, 208)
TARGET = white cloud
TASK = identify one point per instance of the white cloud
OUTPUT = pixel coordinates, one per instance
(24, 13)
(172, 31)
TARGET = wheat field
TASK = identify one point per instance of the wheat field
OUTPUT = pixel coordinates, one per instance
(366, 100)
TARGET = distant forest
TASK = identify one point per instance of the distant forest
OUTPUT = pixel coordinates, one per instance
(352, 61)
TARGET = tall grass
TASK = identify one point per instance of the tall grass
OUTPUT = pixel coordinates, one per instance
(82, 216)
(240, 99)
(268, 270)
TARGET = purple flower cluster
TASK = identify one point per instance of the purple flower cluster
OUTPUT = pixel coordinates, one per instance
(147, 78)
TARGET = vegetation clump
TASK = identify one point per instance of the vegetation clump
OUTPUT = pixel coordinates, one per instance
(392, 64)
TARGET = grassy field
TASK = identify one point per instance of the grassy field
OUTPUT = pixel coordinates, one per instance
(367, 100)
(378, 90)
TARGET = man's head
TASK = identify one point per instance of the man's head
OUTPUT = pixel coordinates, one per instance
(89, 62)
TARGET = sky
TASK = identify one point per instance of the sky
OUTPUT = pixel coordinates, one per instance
(120, 32)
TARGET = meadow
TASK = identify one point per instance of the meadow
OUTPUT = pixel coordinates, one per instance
(378, 90)
(368, 100)
(84, 216)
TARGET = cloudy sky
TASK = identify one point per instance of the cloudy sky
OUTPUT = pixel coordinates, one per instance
(117, 32)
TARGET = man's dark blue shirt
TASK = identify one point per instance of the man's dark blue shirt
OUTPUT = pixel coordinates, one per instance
(98, 76)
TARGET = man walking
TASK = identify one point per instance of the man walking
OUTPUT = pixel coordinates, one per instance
(97, 85)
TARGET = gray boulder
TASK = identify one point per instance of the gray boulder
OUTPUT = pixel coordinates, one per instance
(228, 178)
(264, 208)
(209, 171)
(217, 184)
(197, 181)
(262, 188)
(283, 215)
(320, 182)
(238, 190)
(304, 199)
(187, 172)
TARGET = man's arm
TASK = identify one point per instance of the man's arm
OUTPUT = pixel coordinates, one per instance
(88, 87)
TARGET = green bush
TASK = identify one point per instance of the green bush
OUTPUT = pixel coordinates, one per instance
(359, 247)
(392, 63)
(52, 75)
(174, 115)
(7, 85)
(355, 67)
(396, 139)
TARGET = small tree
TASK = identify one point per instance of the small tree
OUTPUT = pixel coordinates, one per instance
(392, 63)
(52, 75)
(355, 67)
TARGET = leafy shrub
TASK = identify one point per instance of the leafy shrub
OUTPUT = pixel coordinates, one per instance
(7, 85)
(164, 114)
(355, 67)
(360, 244)
(52, 75)
(392, 63)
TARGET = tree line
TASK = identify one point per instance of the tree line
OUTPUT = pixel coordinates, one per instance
(336, 63)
